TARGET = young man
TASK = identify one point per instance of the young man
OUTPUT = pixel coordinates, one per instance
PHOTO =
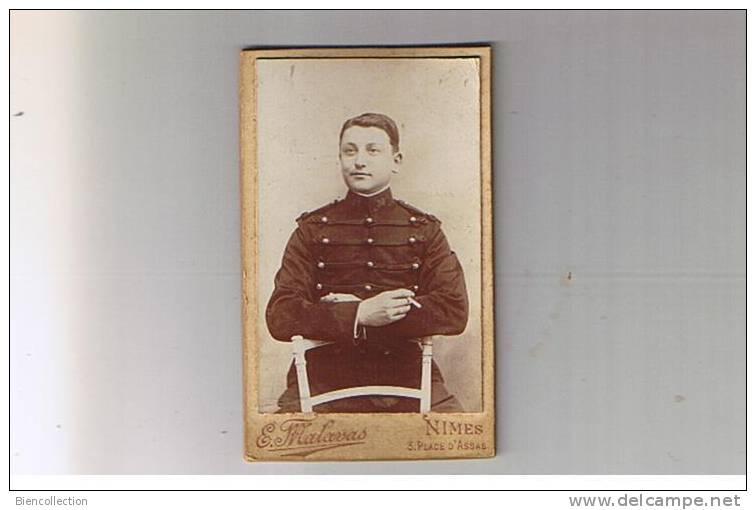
(369, 273)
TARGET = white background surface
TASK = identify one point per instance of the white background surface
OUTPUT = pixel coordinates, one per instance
(619, 145)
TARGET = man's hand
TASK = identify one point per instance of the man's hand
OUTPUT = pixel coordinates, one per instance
(384, 308)
(339, 298)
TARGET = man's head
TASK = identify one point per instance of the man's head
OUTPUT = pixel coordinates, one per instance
(369, 152)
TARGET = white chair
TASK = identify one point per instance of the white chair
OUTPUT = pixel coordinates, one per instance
(306, 401)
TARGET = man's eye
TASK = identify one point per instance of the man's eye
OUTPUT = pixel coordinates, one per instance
(349, 152)
(373, 151)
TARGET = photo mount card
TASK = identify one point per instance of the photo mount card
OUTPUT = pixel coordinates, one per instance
(367, 268)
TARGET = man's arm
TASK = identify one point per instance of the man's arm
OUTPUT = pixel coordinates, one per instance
(294, 309)
(442, 294)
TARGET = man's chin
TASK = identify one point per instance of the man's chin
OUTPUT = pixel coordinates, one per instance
(360, 187)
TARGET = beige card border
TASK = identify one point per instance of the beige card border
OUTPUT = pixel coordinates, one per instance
(368, 436)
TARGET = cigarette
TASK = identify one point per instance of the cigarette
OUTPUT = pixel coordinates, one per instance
(413, 302)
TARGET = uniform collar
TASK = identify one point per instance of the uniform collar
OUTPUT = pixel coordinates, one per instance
(370, 204)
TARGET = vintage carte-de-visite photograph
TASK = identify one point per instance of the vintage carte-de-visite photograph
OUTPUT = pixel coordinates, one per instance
(366, 252)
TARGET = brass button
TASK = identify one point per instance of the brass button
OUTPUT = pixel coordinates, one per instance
(324, 219)
(370, 240)
(370, 263)
(368, 220)
(325, 240)
(319, 286)
(368, 287)
(415, 265)
(413, 219)
(415, 288)
(412, 239)
(386, 353)
(321, 265)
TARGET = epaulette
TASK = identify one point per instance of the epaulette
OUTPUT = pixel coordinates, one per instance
(414, 210)
(319, 211)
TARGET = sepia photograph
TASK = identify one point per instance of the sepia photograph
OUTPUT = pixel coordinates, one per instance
(366, 229)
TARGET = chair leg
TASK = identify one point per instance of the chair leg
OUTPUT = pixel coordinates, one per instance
(425, 377)
(303, 382)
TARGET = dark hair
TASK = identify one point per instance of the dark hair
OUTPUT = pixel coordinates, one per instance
(377, 120)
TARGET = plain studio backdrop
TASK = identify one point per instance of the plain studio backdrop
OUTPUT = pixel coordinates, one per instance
(619, 158)
(301, 106)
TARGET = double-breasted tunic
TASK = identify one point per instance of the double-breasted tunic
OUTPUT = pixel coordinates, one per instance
(363, 246)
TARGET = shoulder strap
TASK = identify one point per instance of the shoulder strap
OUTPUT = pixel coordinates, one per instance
(414, 210)
(312, 216)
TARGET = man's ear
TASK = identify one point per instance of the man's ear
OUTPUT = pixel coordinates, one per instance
(397, 161)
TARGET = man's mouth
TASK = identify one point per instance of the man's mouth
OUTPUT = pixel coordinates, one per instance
(360, 174)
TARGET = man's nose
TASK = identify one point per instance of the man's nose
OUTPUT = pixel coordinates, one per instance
(359, 160)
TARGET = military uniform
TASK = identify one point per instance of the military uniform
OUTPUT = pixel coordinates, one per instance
(364, 246)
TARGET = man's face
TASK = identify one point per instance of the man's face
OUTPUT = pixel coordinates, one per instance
(367, 159)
